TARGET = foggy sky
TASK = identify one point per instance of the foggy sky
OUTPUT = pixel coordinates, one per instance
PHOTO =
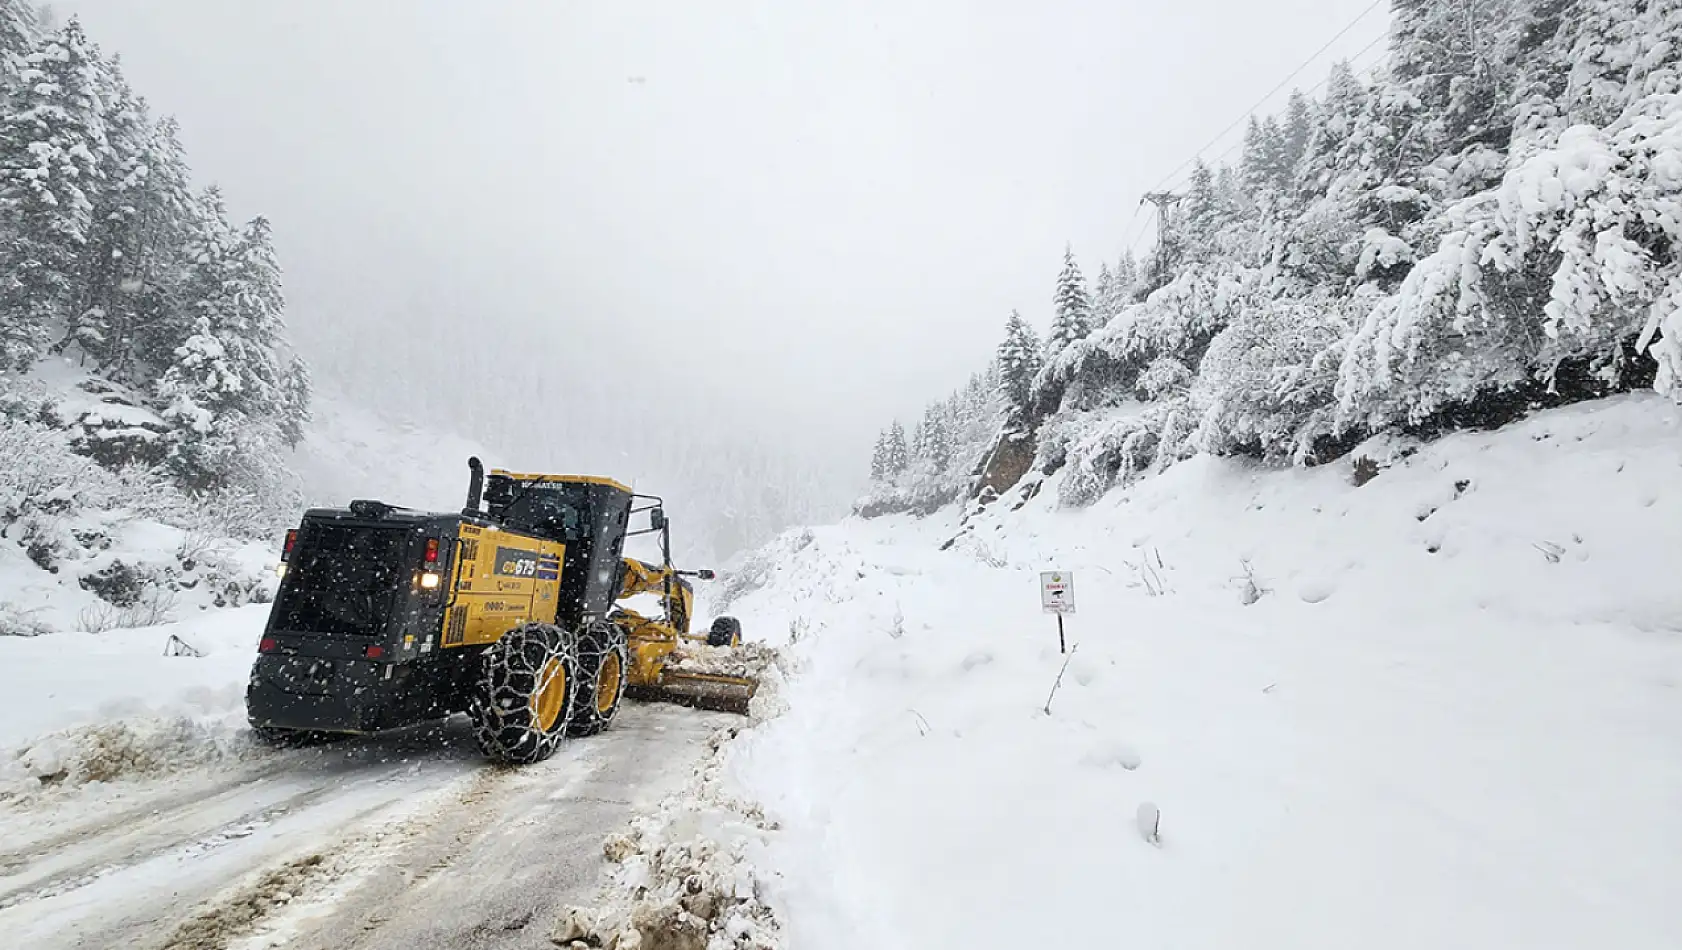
(800, 219)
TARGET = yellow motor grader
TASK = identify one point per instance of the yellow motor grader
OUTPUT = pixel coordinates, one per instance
(509, 611)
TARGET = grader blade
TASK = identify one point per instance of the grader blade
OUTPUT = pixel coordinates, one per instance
(715, 691)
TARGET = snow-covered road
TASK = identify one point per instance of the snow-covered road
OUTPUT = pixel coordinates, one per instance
(404, 841)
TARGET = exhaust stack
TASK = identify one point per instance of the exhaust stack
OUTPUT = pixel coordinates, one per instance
(475, 485)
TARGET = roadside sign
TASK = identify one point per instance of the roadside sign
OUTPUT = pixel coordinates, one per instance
(1057, 592)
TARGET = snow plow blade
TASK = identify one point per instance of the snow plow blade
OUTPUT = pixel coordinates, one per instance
(715, 691)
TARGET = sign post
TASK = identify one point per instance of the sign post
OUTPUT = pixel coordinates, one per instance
(1057, 596)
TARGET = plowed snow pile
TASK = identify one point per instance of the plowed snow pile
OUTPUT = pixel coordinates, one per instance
(690, 876)
(1439, 708)
(104, 707)
(745, 660)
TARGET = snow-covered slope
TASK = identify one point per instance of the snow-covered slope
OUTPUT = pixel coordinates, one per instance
(349, 452)
(1446, 714)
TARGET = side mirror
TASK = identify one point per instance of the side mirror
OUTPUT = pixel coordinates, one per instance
(705, 574)
(657, 519)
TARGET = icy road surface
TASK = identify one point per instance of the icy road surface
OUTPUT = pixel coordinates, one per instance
(403, 841)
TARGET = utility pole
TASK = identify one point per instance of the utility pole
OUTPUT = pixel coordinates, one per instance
(1157, 264)
(1163, 200)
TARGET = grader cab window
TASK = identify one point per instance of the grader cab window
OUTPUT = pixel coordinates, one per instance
(552, 510)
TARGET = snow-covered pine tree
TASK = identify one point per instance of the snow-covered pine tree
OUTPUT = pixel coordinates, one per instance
(1125, 280)
(1197, 218)
(1264, 171)
(1072, 317)
(1106, 297)
(1296, 130)
(52, 151)
(296, 389)
(230, 368)
(20, 30)
(897, 454)
(1452, 56)
(879, 459)
(936, 428)
(149, 324)
(134, 259)
(1019, 363)
(918, 442)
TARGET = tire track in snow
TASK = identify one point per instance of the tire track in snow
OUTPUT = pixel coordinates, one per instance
(314, 880)
(355, 848)
(69, 867)
(145, 810)
(494, 873)
(107, 884)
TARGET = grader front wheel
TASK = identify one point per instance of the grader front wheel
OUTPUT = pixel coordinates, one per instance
(525, 701)
(725, 632)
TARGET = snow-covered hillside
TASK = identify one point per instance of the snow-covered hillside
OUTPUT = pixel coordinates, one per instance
(1435, 709)
(350, 452)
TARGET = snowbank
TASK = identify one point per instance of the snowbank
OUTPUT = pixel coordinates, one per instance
(693, 874)
(93, 707)
(1438, 708)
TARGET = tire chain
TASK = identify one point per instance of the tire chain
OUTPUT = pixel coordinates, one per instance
(504, 721)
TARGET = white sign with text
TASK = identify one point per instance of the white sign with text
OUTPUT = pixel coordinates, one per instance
(1057, 592)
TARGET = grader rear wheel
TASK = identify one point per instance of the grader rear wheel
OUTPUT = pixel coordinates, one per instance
(525, 701)
(604, 665)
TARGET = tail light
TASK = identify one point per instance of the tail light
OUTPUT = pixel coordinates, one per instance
(291, 542)
(374, 652)
(266, 645)
(432, 550)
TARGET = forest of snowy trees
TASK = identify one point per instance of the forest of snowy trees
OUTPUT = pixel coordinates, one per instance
(1488, 224)
(128, 290)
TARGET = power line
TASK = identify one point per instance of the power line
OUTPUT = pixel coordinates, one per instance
(1144, 223)
(1282, 83)
(1370, 71)
(1307, 92)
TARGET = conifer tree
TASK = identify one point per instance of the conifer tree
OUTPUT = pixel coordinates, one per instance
(19, 31)
(879, 459)
(1199, 217)
(1265, 166)
(157, 241)
(53, 150)
(1018, 362)
(229, 367)
(1104, 299)
(1295, 132)
(936, 446)
(295, 392)
(1447, 55)
(897, 455)
(1072, 319)
(1126, 278)
(133, 259)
